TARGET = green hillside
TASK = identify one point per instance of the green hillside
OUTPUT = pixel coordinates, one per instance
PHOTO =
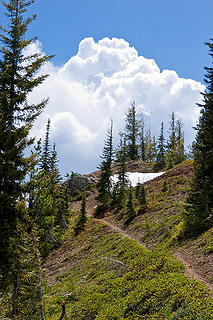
(102, 274)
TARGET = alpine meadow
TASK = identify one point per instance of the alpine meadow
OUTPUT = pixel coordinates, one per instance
(128, 236)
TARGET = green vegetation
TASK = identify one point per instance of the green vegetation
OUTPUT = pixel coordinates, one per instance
(175, 144)
(48, 196)
(82, 217)
(132, 127)
(104, 184)
(161, 155)
(141, 197)
(147, 285)
(165, 205)
(130, 212)
(98, 273)
(19, 75)
(199, 208)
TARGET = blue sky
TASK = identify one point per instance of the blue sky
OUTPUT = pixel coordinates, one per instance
(171, 32)
(93, 78)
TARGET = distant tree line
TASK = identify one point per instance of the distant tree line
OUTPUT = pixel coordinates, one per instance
(136, 144)
(48, 197)
(142, 145)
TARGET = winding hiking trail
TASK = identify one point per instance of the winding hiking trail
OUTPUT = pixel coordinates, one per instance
(191, 270)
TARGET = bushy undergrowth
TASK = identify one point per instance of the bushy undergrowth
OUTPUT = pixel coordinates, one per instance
(112, 277)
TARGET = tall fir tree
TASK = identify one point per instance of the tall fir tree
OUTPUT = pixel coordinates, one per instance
(130, 208)
(63, 212)
(46, 156)
(18, 78)
(161, 153)
(122, 183)
(121, 160)
(154, 149)
(175, 146)
(54, 173)
(142, 142)
(150, 146)
(141, 198)
(132, 132)
(54, 164)
(180, 154)
(59, 192)
(82, 217)
(104, 184)
(49, 200)
(172, 142)
(199, 213)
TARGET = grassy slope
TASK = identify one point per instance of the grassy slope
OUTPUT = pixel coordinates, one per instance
(161, 225)
(151, 285)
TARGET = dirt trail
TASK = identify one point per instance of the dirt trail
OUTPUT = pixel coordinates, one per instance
(189, 271)
(117, 229)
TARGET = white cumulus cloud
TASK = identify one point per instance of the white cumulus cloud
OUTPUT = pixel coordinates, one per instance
(98, 84)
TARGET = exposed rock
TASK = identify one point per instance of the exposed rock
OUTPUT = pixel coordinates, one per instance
(77, 182)
(139, 166)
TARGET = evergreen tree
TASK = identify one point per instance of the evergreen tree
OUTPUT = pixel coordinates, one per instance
(18, 77)
(46, 156)
(44, 211)
(54, 173)
(64, 207)
(172, 138)
(82, 218)
(24, 299)
(130, 208)
(200, 201)
(142, 142)
(180, 156)
(165, 186)
(104, 184)
(122, 183)
(138, 191)
(122, 158)
(154, 148)
(175, 145)
(132, 132)
(141, 197)
(150, 147)
(33, 171)
(172, 142)
(49, 203)
(59, 192)
(54, 165)
(161, 153)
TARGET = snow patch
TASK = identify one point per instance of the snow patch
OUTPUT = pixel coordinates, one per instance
(137, 177)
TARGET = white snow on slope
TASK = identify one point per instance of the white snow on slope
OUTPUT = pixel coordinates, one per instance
(137, 177)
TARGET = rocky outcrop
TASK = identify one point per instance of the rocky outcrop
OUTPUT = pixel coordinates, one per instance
(77, 183)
